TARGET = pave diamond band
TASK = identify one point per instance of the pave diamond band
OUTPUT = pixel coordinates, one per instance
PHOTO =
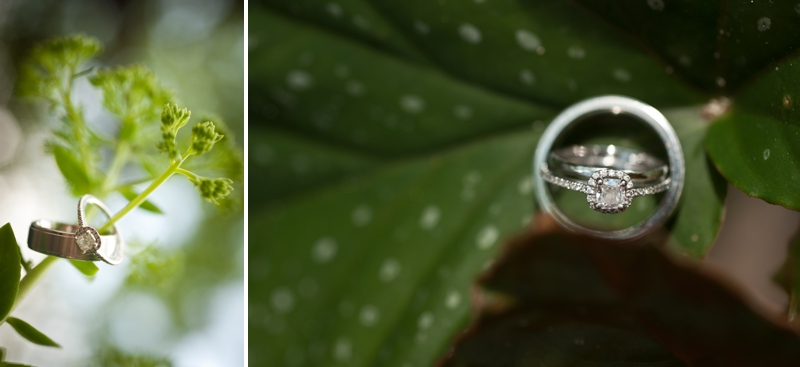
(608, 190)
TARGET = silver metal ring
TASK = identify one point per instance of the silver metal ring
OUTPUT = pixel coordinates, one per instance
(608, 191)
(614, 105)
(77, 242)
(582, 161)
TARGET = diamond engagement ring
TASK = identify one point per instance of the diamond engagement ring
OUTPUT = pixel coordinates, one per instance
(608, 190)
(610, 177)
(77, 242)
(614, 175)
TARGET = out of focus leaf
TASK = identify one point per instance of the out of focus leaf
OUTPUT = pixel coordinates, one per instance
(9, 270)
(148, 205)
(113, 357)
(788, 277)
(563, 300)
(153, 266)
(72, 170)
(30, 333)
(87, 268)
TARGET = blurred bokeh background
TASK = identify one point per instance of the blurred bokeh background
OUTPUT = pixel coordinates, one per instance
(179, 298)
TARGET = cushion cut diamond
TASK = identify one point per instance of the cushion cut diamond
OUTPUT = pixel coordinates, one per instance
(611, 194)
(86, 241)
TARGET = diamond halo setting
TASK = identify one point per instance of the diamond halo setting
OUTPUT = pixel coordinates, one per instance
(88, 240)
(609, 191)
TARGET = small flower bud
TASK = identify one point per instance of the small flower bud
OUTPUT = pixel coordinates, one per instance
(174, 118)
(214, 189)
(204, 137)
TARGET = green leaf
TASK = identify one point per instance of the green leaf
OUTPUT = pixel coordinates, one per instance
(87, 268)
(9, 270)
(129, 194)
(72, 170)
(30, 333)
(759, 155)
(285, 163)
(563, 300)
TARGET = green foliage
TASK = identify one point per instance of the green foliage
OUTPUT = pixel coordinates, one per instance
(395, 138)
(112, 357)
(172, 120)
(132, 93)
(136, 97)
(213, 189)
(86, 268)
(154, 267)
(30, 333)
(9, 270)
(204, 137)
(52, 65)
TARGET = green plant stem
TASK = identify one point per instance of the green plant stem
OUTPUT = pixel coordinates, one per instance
(120, 159)
(80, 126)
(32, 277)
(133, 204)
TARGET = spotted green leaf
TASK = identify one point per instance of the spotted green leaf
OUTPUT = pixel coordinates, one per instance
(9, 270)
(30, 333)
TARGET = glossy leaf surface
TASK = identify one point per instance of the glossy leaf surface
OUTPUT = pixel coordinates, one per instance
(9, 270)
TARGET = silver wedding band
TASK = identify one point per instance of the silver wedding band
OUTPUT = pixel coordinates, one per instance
(582, 161)
(59, 239)
(672, 184)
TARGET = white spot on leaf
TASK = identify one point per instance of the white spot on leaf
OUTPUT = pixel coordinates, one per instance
(766, 154)
(528, 41)
(657, 5)
(422, 27)
(354, 88)
(486, 237)
(342, 349)
(576, 52)
(695, 238)
(425, 320)
(412, 103)
(282, 300)
(362, 215)
(470, 33)
(369, 315)
(622, 75)
(463, 112)
(453, 299)
(324, 250)
(430, 217)
(764, 24)
(299, 80)
(525, 186)
(526, 77)
(341, 71)
(389, 271)
(334, 9)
